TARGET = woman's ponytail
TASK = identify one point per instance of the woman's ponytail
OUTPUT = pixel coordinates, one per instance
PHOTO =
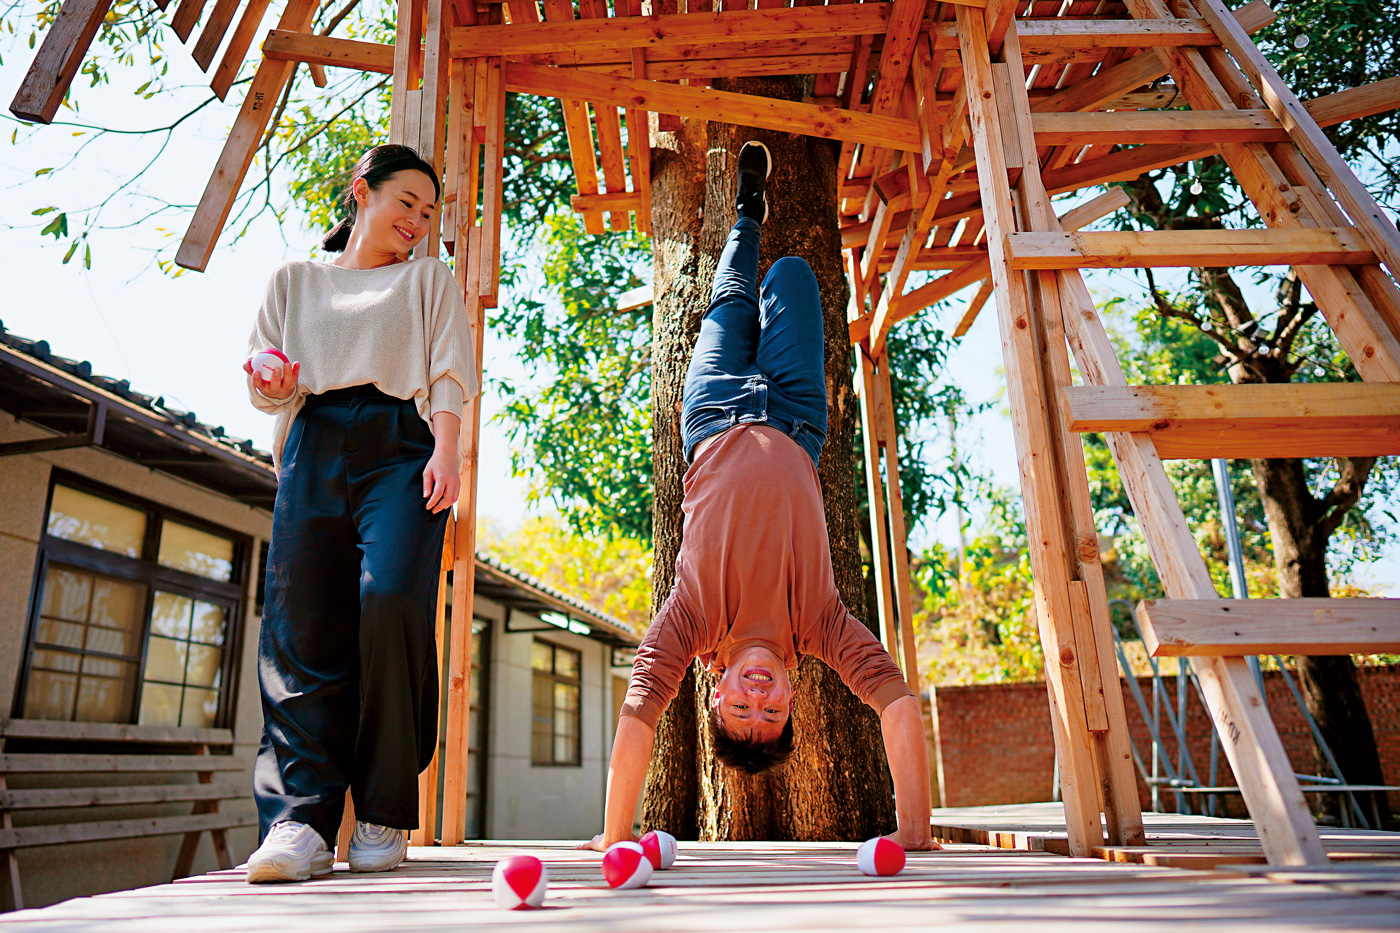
(375, 166)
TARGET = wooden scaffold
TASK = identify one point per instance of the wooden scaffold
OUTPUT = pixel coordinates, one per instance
(957, 120)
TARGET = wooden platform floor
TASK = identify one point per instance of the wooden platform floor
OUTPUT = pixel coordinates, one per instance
(751, 887)
(1177, 840)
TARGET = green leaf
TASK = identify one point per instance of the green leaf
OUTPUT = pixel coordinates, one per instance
(43, 210)
(87, 256)
(58, 227)
(42, 171)
(71, 250)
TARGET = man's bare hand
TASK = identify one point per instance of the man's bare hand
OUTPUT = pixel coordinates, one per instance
(599, 843)
(913, 845)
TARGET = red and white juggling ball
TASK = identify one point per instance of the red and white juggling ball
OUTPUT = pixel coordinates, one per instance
(660, 848)
(880, 856)
(625, 866)
(519, 882)
(268, 363)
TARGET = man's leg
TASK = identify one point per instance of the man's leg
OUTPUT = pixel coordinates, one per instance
(791, 349)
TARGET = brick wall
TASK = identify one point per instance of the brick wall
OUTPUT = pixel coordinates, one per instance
(997, 747)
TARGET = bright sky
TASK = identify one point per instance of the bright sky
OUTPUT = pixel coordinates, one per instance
(184, 337)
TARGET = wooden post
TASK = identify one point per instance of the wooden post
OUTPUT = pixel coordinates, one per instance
(872, 427)
(426, 833)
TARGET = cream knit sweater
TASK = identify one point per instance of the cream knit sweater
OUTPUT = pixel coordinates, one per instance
(402, 328)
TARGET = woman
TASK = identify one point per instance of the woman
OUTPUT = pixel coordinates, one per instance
(367, 450)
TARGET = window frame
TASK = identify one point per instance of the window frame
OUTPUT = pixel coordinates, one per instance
(556, 678)
(147, 571)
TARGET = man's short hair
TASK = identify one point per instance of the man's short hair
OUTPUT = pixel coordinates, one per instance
(749, 754)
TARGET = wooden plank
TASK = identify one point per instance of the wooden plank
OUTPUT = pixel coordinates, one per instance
(899, 538)
(51, 73)
(213, 32)
(1162, 127)
(75, 797)
(709, 104)
(872, 428)
(974, 307)
(237, 48)
(425, 834)
(111, 732)
(653, 32)
(1370, 220)
(408, 72)
(289, 46)
(1240, 627)
(493, 106)
(618, 201)
(576, 123)
(609, 129)
(51, 763)
(30, 836)
(1213, 248)
(639, 144)
(1061, 33)
(186, 15)
(1348, 419)
(219, 194)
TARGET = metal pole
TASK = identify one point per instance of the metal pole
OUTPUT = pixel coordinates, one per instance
(1233, 550)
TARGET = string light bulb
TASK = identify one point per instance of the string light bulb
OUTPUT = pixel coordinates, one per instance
(1301, 42)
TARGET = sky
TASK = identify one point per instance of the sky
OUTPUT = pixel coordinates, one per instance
(184, 337)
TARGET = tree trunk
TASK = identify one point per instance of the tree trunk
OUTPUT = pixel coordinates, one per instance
(1300, 526)
(837, 785)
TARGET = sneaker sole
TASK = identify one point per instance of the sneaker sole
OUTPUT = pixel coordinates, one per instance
(767, 155)
(272, 870)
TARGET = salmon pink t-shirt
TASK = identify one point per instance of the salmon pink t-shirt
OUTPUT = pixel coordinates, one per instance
(755, 568)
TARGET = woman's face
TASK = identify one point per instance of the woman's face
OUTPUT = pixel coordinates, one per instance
(396, 217)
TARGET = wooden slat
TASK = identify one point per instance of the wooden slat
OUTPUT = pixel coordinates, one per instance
(1050, 34)
(28, 763)
(111, 732)
(577, 126)
(493, 106)
(237, 48)
(219, 194)
(608, 124)
(708, 104)
(1349, 419)
(213, 32)
(1243, 627)
(681, 29)
(186, 15)
(69, 797)
(290, 46)
(1162, 127)
(1212, 248)
(30, 836)
(51, 73)
(619, 201)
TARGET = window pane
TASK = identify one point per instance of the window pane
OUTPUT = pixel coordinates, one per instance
(116, 616)
(64, 634)
(204, 666)
(97, 522)
(50, 695)
(209, 623)
(66, 594)
(57, 661)
(196, 551)
(165, 659)
(564, 750)
(160, 705)
(103, 691)
(171, 615)
(201, 706)
(566, 663)
(566, 697)
(541, 656)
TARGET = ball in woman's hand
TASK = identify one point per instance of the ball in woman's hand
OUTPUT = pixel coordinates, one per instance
(268, 363)
(519, 882)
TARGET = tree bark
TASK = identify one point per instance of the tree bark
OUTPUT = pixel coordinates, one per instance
(837, 785)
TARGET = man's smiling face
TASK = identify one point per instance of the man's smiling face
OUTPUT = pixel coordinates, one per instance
(754, 696)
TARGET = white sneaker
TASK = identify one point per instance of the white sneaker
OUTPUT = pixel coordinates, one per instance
(291, 852)
(376, 848)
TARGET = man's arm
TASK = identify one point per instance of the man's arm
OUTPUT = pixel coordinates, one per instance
(907, 751)
(627, 772)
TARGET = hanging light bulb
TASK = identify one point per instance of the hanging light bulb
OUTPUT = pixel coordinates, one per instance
(1196, 187)
(1301, 42)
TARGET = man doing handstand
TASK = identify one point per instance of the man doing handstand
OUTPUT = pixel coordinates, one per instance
(754, 588)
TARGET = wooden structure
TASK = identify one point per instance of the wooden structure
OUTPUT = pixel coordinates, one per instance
(958, 120)
(772, 885)
(168, 753)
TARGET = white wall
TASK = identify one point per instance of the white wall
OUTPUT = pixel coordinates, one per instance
(556, 802)
(54, 873)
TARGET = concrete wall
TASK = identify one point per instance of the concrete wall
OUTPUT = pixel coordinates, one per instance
(997, 748)
(58, 872)
(524, 801)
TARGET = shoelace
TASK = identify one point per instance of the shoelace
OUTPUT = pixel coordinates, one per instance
(282, 832)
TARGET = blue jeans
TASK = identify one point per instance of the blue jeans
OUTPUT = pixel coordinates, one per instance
(759, 356)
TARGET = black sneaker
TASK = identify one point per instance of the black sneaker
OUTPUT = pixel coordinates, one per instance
(755, 165)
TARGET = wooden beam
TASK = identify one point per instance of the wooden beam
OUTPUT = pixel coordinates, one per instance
(213, 32)
(219, 194)
(186, 15)
(291, 46)
(709, 104)
(577, 126)
(1344, 419)
(1243, 627)
(232, 59)
(51, 73)
(653, 32)
(1162, 127)
(615, 201)
(1200, 249)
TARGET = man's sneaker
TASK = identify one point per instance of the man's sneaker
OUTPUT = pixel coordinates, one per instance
(291, 852)
(755, 165)
(376, 848)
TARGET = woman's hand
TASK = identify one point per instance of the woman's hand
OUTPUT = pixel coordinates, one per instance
(280, 387)
(441, 479)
